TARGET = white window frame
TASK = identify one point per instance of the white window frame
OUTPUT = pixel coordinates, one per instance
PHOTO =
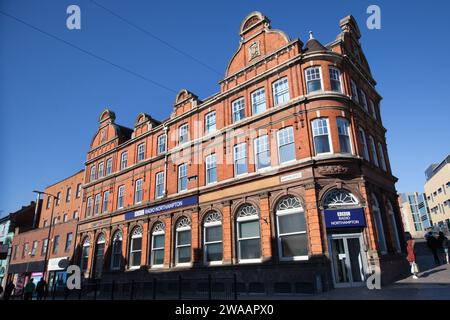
(88, 207)
(120, 196)
(280, 213)
(354, 90)
(153, 249)
(291, 130)
(183, 134)
(310, 75)
(235, 159)
(132, 252)
(210, 125)
(162, 141)
(381, 158)
(124, 160)
(210, 164)
(265, 150)
(108, 167)
(97, 201)
(205, 243)
(138, 183)
(105, 202)
(254, 217)
(159, 181)
(373, 149)
(177, 246)
(362, 136)
(101, 170)
(92, 175)
(236, 106)
(183, 165)
(330, 142)
(140, 152)
(347, 133)
(34, 246)
(257, 101)
(332, 69)
(276, 95)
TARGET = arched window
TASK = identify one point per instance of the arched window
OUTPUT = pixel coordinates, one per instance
(136, 247)
(157, 254)
(212, 237)
(339, 198)
(99, 255)
(248, 234)
(183, 241)
(394, 226)
(85, 254)
(376, 211)
(291, 230)
(116, 251)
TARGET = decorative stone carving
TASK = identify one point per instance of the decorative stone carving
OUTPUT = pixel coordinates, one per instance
(333, 170)
(254, 50)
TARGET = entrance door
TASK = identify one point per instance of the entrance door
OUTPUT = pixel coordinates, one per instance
(348, 260)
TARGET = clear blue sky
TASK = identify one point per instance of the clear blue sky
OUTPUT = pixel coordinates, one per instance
(51, 94)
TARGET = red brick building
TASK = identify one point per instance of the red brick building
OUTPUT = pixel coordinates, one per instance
(281, 178)
(49, 244)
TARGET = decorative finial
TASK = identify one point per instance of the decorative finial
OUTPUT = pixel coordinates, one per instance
(311, 35)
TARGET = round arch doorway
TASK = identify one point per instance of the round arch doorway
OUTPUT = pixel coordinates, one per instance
(344, 220)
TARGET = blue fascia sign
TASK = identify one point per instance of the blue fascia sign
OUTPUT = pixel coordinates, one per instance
(162, 207)
(344, 218)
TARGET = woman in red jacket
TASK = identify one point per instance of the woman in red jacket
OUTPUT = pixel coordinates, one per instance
(411, 257)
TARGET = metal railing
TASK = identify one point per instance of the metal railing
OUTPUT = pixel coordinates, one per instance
(210, 288)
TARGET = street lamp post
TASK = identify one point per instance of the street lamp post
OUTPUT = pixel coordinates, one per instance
(49, 229)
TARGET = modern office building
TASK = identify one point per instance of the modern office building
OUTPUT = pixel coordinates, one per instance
(282, 178)
(46, 249)
(437, 190)
(415, 213)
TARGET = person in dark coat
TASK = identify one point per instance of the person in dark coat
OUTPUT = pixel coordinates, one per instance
(9, 288)
(411, 257)
(41, 289)
(443, 247)
(433, 244)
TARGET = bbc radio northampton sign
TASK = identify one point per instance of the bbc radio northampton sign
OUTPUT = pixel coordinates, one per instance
(344, 218)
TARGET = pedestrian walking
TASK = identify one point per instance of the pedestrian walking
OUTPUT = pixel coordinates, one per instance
(41, 289)
(443, 247)
(433, 245)
(411, 257)
(29, 290)
(9, 288)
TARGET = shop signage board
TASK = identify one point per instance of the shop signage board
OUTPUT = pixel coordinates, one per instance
(344, 218)
(188, 201)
